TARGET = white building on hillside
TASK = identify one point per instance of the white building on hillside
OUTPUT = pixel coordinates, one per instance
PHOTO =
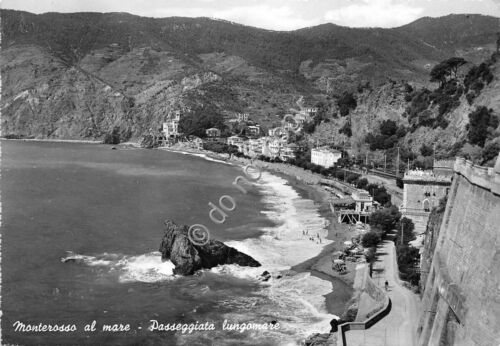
(213, 132)
(311, 111)
(277, 132)
(276, 146)
(253, 130)
(242, 116)
(325, 157)
(254, 147)
(288, 152)
(235, 140)
(170, 127)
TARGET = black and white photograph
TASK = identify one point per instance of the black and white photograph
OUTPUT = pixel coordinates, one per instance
(250, 172)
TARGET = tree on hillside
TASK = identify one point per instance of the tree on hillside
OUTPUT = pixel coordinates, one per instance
(346, 129)
(482, 123)
(426, 150)
(112, 137)
(445, 69)
(196, 122)
(346, 102)
(388, 127)
(490, 152)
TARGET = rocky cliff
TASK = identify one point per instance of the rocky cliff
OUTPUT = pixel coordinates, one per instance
(392, 100)
(189, 257)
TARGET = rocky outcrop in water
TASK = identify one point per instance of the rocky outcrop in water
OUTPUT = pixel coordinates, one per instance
(189, 257)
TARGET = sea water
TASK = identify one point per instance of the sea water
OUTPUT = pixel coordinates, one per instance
(81, 226)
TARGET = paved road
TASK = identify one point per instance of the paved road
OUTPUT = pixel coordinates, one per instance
(399, 327)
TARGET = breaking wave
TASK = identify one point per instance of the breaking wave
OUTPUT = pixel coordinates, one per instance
(147, 267)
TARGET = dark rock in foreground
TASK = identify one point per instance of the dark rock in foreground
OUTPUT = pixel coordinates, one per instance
(189, 257)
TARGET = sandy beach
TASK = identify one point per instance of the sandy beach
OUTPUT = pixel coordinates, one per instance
(321, 265)
(306, 184)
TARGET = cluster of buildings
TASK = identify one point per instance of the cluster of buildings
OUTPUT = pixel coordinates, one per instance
(268, 146)
(255, 143)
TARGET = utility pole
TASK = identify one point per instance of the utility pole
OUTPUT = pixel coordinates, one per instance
(366, 161)
(401, 231)
(397, 165)
(433, 155)
(385, 161)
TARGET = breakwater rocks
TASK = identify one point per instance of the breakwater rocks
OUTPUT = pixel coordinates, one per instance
(189, 257)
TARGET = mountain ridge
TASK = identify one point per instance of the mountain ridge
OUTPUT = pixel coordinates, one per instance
(86, 73)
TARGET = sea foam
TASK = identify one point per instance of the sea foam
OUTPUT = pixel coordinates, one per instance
(296, 301)
(147, 267)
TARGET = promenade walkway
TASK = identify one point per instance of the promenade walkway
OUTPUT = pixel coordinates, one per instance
(399, 327)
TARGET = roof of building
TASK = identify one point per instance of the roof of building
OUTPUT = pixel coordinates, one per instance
(425, 175)
(327, 150)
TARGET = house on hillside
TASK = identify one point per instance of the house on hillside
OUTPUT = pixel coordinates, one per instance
(288, 152)
(310, 111)
(213, 133)
(276, 146)
(255, 147)
(234, 140)
(170, 127)
(242, 117)
(276, 132)
(197, 143)
(253, 130)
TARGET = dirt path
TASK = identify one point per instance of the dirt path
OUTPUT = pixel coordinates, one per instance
(399, 327)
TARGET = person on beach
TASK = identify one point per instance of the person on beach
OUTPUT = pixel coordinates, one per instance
(386, 285)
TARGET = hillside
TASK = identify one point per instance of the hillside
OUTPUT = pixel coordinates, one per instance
(423, 119)
(80, 75)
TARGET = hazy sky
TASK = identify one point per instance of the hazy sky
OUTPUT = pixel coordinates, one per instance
(274, 14)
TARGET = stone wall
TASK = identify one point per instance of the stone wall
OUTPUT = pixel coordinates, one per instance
(461, 300)
(371, 298)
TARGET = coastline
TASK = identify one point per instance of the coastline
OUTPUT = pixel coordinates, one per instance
(308, 290)
(320, 266)
(54, 140)
(306, 184)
